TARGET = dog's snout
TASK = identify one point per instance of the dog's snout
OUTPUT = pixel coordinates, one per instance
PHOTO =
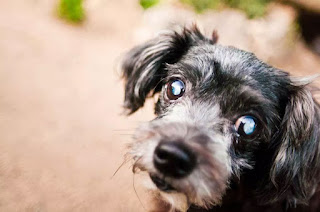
(174, 159)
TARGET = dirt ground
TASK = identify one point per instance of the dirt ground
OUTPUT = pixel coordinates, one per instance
(62, 135)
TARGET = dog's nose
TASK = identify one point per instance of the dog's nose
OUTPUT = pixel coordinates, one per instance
(174, 159)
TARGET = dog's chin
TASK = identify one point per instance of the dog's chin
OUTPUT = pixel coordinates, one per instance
(161, 183)
(178, 199)
(171, 196)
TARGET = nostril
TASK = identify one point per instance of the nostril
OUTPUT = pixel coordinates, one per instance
(163, 153)
(174, 159)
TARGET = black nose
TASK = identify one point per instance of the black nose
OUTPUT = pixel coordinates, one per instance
(174, 159)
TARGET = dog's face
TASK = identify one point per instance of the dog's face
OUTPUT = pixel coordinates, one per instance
(222, 114)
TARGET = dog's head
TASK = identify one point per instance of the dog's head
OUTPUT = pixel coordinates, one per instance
(222, 115)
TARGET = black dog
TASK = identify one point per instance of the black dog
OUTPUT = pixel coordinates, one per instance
(231, 134)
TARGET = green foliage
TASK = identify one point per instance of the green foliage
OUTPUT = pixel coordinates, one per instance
(148, 3)
(201, 5)
(253, 8)
(71, 10)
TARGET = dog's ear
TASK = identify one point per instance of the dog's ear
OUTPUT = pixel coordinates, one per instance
(295, 169)
(144, 66)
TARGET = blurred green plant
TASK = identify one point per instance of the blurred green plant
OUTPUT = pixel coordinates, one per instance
(71, 10)
(148, 3)
(201, 5)
(253, 8)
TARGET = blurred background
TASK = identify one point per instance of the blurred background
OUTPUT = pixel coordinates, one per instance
(62, 135)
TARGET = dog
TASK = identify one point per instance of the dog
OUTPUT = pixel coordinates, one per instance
(231, 133)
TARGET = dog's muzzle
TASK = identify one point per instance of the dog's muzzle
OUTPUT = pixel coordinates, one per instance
(172, 159)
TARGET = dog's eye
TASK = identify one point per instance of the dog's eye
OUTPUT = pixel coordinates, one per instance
(246, 126)
(175, 89)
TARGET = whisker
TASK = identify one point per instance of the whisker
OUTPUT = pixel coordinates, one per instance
(133, 166)
(135, 191)
(121, 165)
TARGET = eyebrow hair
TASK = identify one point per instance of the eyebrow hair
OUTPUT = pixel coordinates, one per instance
(189, 71)
(244, 100)
(250, 94)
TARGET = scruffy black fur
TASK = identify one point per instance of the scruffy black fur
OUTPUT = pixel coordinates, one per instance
(278, 169)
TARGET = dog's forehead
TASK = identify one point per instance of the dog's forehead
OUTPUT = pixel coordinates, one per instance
(203, 61)
(236, 76)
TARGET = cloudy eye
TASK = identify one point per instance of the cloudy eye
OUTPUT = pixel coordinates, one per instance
(246, 126)
(175, 89)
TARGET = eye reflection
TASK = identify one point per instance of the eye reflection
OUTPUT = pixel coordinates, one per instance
(246, 126)
(175, 89)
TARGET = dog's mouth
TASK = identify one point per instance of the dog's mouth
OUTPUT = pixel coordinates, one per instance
(161, 183)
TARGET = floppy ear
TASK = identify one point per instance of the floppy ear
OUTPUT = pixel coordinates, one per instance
(144, 66)
(295, 169)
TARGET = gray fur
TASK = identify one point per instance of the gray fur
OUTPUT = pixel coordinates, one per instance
(279, 166)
